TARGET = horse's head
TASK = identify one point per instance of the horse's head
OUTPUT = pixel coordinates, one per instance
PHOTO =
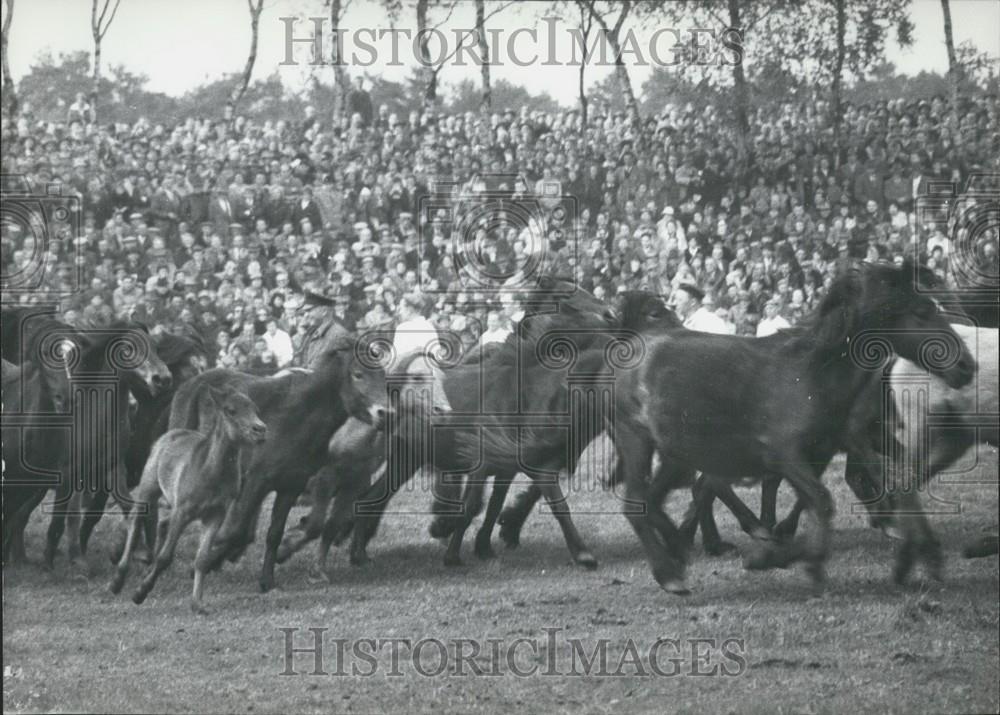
(238, 414)
(576, 307)
(642, 310)
(884, 302)
(361, 372)
(184, 357)
(128, 349)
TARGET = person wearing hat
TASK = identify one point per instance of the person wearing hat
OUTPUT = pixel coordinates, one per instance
(687, 302)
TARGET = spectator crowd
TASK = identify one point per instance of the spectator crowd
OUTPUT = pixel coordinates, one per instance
(228, 230)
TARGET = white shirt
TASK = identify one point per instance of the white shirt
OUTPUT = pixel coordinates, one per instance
(707, 322)
(494, 336)
(769, 326)
(281, 345)
(418, 335)
(415, 335)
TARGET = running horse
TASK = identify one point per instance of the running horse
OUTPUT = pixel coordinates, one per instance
(777, 407)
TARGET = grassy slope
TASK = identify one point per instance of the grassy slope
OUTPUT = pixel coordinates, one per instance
(863, 646)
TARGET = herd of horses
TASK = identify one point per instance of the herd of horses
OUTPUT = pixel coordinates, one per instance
(681, 409)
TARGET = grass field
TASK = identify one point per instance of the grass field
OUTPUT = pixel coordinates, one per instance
(863, 646)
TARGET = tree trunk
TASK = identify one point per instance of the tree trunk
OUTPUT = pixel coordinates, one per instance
(9, 93)
(484, 52)
(742, 97)
(339, 73)
(240, 89)
(428, 72)
(838, 72)
(954, 70)
(621, 70)
(95, 78)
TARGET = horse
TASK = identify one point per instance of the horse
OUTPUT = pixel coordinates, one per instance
(31, 451)
(198, 474)
(357, 453)
(302, 411)
(778, 406)
(119, 360)
(185, 358)
(640, 312)
(474, 388)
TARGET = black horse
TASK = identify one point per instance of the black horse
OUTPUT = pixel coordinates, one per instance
(869, 444)
(473, 388)
(733, 407)
(302, 409)
(102, 367)
(640, 313)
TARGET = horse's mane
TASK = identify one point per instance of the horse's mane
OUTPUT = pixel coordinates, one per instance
(826, 331)
(173, 349)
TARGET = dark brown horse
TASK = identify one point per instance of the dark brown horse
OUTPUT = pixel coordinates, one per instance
(102, 367)
(780, 406)
(302, 409)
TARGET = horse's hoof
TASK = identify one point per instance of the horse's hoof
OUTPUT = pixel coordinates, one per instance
(981, 547)
(452, 561)
(138, 597)
(485, 552)
(360, 559)
(719, 548)
(284, 553)
(817, 574)
(586, 559)
(676, 587)
(510, 533)
(758, 559)
(440, 528)
(266, 584)
(116, 584)
(198, 608)
(784, 531)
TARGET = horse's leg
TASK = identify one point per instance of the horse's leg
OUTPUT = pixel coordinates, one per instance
(501, 485)
(340, 522)
(92, 515)
(57, 521)
(369, 510)
(14, 539)
(324, 486)
(769, 501)
(135, 519)
(209, 528)
(283, 503)
(556, 500)
(981, 547)
(448, 503)
(513, 517)
(815, 547)
(748, 521)
(636, 456)
(472, 504)
(179, 520)
(236, 528)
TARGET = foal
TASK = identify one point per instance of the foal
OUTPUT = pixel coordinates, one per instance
(199, 475)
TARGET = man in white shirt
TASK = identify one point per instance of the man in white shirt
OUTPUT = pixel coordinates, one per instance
(496, 331)
(687, 303)
(416, 334)
(772, 321)
(280, 343)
